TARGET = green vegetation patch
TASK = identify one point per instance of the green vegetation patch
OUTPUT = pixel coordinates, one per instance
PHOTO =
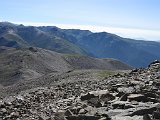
(106, 73)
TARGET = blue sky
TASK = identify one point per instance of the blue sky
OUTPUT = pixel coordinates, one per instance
(127, 18)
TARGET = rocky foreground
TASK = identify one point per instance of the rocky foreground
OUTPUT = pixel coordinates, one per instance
(132, 96)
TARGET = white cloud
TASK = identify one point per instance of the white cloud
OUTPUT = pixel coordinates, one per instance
(124, 32)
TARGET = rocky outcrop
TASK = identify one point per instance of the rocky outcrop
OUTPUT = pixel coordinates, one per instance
(132, 96)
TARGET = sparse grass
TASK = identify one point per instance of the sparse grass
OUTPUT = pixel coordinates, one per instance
(106, 73)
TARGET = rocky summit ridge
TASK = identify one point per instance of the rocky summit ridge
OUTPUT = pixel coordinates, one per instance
(130, 96)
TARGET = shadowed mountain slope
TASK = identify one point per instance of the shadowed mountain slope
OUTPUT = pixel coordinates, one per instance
(12, 35)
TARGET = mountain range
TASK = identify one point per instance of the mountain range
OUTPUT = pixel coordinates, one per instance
(137, 53)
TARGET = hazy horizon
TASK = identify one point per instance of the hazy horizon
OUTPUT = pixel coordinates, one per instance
(131, 19)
